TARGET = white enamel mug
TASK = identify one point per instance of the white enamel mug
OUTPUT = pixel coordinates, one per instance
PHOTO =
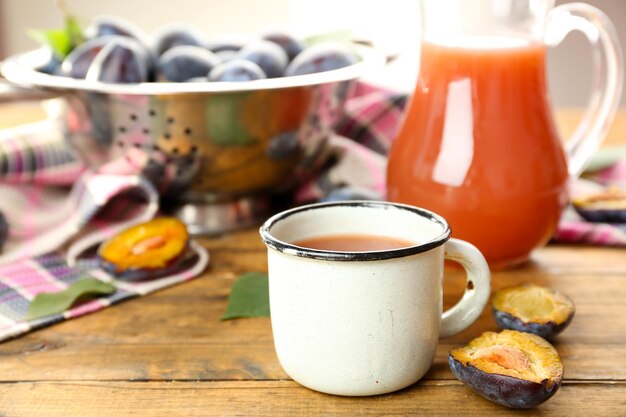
(365, 323)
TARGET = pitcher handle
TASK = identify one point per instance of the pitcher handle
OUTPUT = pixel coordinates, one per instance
(607, 81)
(473, 302)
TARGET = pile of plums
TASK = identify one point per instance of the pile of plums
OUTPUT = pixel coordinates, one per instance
(117, 51)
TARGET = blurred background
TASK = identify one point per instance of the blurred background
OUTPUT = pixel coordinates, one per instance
(392, 25)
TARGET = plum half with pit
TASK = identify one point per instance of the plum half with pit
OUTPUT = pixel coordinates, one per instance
(325, 56)
(185, 62)
(606, 206)
(532, 309)
(510, 368)
(267, 55)
(148, 250)
(121, 60)
(237, 70)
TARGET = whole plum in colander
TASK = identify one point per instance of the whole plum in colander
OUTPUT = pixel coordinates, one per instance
(226, 55)
(122, 60)
(290, 45)
(225, 44)
(178, 53)
(321, 57)
(237, 70)
(267, 55)
(114, 25)
(185, 62)
(170, 36)
(77, 63)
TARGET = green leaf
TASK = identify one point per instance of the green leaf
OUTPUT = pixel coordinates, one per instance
(57, 39)
(61, 41)
(74, 31)
(249, 297)
(45, 304)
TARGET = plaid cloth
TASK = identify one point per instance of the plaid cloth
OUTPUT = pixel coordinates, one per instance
(36, 153)
(21, 281)
(575, 229)
(44, 220)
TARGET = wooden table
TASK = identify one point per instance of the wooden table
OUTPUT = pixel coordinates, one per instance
(168, 354)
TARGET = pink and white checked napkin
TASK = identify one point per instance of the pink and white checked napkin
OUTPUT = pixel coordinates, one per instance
(51, 226)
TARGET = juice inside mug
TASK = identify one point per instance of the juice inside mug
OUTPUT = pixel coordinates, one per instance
(354, 243)
(479, 145)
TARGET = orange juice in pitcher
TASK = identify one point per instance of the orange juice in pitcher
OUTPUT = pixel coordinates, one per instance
(479, 145)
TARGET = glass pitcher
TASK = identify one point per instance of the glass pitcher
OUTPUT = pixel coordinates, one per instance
(479, 144)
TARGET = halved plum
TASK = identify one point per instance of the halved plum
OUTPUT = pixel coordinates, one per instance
(532, 309)
(608, 206)
(510, 368)
(148, 250)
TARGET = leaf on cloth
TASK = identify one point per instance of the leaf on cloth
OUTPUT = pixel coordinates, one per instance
(249, 297)
(45, 304)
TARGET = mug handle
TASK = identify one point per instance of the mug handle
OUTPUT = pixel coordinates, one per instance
(477, 290)
(607, 81)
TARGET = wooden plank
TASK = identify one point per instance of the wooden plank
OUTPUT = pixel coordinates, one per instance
(577, 259)
(284, 398)
(14, 114)
(177, 334)
(185, 361)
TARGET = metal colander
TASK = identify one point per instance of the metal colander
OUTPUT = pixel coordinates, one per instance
(216, 152)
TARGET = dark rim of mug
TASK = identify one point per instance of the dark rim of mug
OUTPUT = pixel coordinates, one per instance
(292, 249)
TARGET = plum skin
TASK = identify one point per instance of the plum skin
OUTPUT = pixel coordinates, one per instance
(236, 70)
(77, 62)
(168, 37)
(321, 57)
(121, 60)
(270, 57)
(503, 389)
(290, 45)
(602, 215)
(181, 63)
(546, 330)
